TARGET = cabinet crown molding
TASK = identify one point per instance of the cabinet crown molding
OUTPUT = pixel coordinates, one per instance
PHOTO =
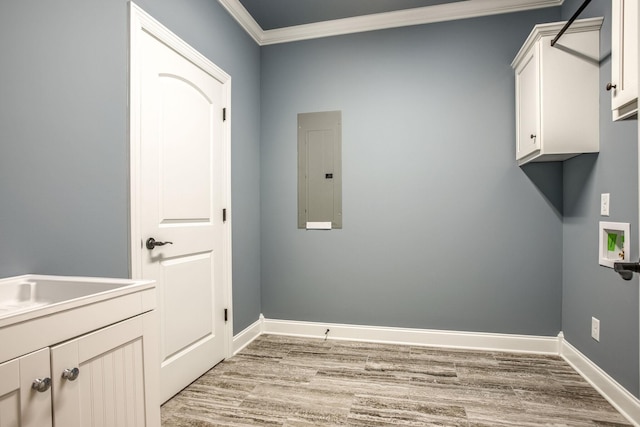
(551, 29)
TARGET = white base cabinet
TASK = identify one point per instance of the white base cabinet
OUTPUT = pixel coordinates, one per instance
(108, 388)
(84, 353)
(557, 92)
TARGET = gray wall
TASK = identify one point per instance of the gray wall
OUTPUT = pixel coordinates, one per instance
(64, 144)
(441, 228)
(589, 289)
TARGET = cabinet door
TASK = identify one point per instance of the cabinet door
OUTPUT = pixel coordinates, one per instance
(624, 65)
(20, 404)
(109, 389)
(528, 105)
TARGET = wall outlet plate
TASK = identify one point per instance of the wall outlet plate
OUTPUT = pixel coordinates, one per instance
(595, 329)
(604, 204)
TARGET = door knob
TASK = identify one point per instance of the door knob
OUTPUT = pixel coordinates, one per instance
(152, 243)
(41, 384)
(71, 374)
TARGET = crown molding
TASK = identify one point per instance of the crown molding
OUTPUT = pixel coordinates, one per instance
(551, 29)
(378, 21)
(246, 21)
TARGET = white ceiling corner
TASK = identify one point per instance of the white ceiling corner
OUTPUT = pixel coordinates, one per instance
(400, 18)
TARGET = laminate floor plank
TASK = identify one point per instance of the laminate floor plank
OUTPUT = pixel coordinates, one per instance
(300, 382)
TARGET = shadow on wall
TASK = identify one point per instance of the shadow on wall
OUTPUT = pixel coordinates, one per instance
(547, 177)
(578, 181)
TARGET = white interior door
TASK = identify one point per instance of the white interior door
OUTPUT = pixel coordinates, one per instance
(183, 189)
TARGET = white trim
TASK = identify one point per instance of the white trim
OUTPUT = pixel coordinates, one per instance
(625, 402)
(551, 29)
(140, 22)
(422, 337)
(400, 18)
(135, 256)
(638, 127)
(621, 399)
(248, 335)
(244, 18)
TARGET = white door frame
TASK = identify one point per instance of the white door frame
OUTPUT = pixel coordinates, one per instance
(140, 22)
(638, 121)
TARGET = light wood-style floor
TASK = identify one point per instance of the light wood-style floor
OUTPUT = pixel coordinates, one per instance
(288, 381)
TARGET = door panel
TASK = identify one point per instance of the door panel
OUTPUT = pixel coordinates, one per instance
(320, 146)
(529, 107)
(185, 141)
(10, 393)
(184, 277)
(181, 173)
(20, 405)
(625, 44)
(109, 390)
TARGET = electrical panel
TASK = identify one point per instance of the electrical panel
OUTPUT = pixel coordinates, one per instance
(320, 170)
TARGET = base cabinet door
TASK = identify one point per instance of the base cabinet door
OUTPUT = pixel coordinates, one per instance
(100, 378)
(21, 403)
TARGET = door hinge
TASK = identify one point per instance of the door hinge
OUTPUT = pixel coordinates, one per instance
(224, 215)
(226, 314)
(224, 114)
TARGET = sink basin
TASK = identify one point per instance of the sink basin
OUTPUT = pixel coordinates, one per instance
(31, 292)
(37, 311)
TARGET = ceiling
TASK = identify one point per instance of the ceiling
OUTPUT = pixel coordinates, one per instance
(272, 14)
(281, 21)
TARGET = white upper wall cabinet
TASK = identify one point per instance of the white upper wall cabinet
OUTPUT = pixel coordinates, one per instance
(557, 92)
(624, 59)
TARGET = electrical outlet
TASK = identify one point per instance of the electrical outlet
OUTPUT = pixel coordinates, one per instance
(604, 204)
(595, 329)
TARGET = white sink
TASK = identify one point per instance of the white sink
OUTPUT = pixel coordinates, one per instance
(32, 292)
(37, 311)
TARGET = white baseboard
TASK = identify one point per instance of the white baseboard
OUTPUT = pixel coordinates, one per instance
(618, 396)
(422, 337)
(250, 333)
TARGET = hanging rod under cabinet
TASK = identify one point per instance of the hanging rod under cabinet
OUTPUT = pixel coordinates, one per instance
(570, 21)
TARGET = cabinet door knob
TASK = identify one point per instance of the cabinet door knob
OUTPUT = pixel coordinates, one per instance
(41, 384)
(610, 86)
(71, 374)
(533, 136)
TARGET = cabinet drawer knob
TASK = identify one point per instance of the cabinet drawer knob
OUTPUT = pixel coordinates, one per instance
(71, 374)
(533, 136)
(41, 384)
(610, 86)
